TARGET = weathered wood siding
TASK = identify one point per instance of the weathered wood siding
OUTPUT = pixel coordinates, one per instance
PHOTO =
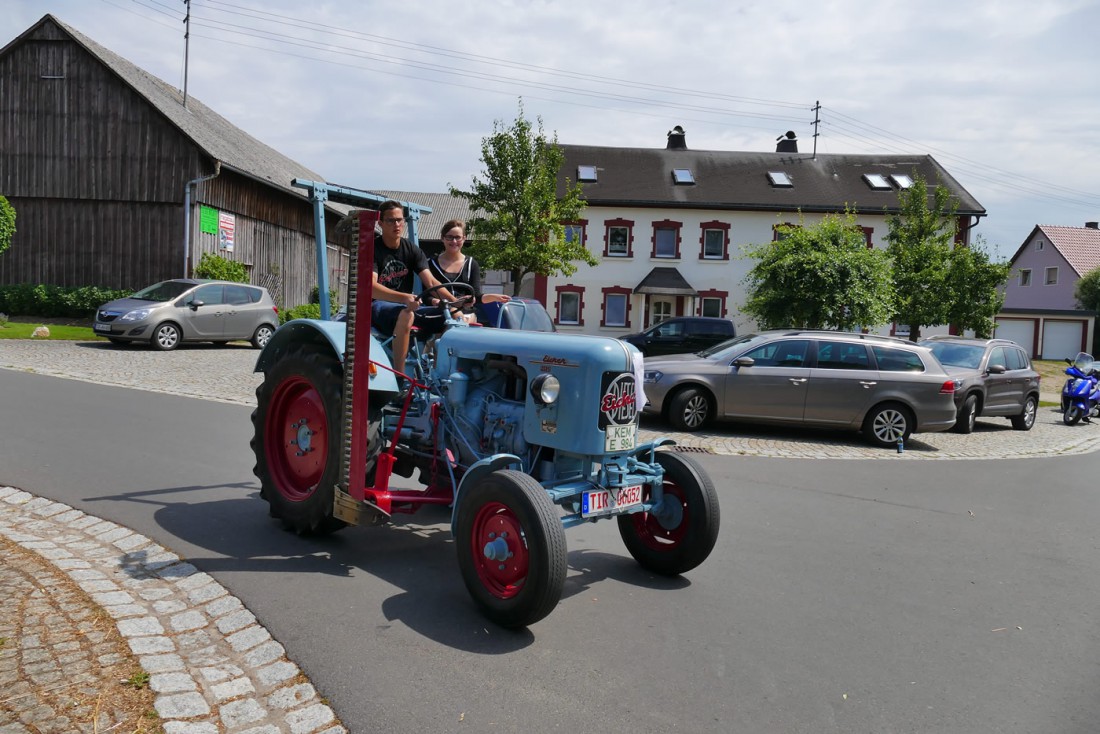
(97, 176)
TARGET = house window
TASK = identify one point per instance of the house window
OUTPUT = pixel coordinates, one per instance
(714, 241)
(867, 232)
(666, 239)
(901, 180)
(713, 303)
(682, 176)
(662, 311)
(877, 181)
(575, 231)
(1025, 278)
(570, 305)
(618, 238)
(586, 173)
(779, 180)
(1038, 245)
(1052, 276)
(616, 306)
(781, 232)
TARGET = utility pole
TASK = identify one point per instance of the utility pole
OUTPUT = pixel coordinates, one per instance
(817, 121)
(186, 47)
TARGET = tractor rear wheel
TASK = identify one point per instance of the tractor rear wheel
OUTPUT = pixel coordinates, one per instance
(297, 437)
(511, 548)
(682, 533)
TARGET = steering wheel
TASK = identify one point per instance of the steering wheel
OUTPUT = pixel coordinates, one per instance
(429, 293)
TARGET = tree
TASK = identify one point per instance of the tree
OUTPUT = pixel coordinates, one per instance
(1087, 291)
(920, 246)
(7, 224)
(975, 284)
(517, 220)
(819, 277)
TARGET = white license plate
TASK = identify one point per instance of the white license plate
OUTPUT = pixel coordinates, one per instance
(605, 501)
(102, 327)
(620, 438)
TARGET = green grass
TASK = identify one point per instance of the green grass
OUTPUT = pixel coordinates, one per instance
(23, 330)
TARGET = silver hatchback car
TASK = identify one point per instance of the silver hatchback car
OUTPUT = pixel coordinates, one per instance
(885, 387)
(190, 310)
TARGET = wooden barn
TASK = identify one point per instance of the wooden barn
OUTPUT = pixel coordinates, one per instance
(100, 160)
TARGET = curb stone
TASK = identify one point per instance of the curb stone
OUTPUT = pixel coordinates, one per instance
(212, 667)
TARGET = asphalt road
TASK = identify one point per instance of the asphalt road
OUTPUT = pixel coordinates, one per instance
(843, 596)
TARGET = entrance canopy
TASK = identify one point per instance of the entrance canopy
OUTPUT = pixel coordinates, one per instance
(665, 282)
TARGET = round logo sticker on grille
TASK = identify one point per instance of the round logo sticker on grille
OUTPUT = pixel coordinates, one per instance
(619, 405)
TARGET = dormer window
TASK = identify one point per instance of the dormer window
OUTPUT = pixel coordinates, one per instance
(780, 180)
(877, 181)
(682, 176)
(586, 173)
(901, 180)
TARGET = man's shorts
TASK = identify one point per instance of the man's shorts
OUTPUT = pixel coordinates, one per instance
(428, 320)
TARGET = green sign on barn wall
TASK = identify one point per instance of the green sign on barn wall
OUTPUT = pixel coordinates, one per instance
(208, 220)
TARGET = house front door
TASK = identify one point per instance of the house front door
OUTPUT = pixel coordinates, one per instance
(660, 309)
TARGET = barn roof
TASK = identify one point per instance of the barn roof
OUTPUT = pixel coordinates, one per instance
(213, 134)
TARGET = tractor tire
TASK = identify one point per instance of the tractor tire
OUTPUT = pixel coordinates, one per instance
(297, 439)
(683, 536)
(511, 548)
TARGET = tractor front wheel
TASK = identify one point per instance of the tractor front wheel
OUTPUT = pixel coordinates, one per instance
(296, 439)
(679, 534)
(511, 548)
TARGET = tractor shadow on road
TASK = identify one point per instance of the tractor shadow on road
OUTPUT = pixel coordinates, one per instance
(415, 554)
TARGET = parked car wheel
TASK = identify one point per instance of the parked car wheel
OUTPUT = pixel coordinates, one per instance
(690, 409)
(166, 337)
(886, 423)
(1026, 419)
(262, 336)
(967, 416)
(682, 535)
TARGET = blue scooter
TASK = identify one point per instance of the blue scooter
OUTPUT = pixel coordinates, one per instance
(1081, 393)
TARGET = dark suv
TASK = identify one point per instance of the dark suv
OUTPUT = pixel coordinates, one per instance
(682, 335)
(994, 378)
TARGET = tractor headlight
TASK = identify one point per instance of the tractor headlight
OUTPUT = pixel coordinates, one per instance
(653, 376)
(545, 389)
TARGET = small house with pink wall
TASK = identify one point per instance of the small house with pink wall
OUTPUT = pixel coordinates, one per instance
(1040, 311)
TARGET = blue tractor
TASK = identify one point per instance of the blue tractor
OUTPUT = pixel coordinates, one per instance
(523, 433)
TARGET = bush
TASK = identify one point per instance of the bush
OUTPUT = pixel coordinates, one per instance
(315, 297)
(28, 299)
(305, 311)
(3, 320)
(217, 267)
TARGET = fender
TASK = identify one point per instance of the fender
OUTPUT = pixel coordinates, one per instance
(328, 335)
(479, 470)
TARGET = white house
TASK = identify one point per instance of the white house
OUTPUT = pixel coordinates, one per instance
(668, 225)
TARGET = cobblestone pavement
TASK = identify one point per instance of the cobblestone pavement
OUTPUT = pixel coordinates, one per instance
(212, 667)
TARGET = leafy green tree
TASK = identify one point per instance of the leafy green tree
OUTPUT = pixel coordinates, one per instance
(920, 241)
(975, 284)
(1087, 291)
(819, 277)
(7, 224)
(516, 225)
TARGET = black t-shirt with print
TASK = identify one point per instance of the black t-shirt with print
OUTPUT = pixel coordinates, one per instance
(395, 268)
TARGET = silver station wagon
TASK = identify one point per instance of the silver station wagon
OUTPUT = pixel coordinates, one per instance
(190, 310)
(885, 387)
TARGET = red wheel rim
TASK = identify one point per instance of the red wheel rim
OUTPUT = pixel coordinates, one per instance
(650, 530)
(494, 527)
(296, 430)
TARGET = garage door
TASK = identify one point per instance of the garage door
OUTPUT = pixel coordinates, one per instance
(1062, 339)
(1021, 331)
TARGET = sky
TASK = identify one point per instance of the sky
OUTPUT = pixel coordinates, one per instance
(1005, 94)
